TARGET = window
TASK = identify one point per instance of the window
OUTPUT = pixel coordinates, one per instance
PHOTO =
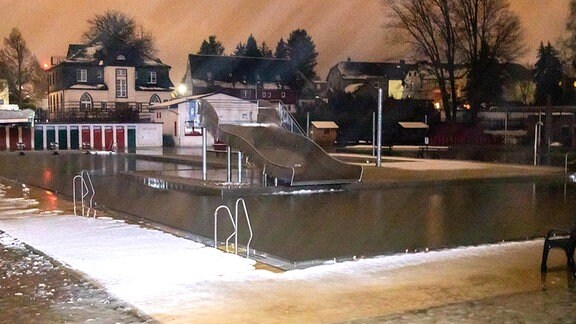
(152, 77)
(121, 83)
(99, 74)
(85, 102)
(283, 94)
(81, 75)
(158, 115)
(155, 99)
(103, 106)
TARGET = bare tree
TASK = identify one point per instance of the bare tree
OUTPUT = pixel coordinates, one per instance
(20, 67)
(489, 34)
(430, 28)
(119, 33)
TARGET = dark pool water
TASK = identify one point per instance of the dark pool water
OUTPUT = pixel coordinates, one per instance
(318, 226)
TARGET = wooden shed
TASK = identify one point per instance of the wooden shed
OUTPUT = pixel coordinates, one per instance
(323, 132)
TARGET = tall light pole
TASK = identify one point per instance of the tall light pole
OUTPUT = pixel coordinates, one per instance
(379, 131)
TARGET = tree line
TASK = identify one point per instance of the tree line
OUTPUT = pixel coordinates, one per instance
(479, 35)
(299, 49)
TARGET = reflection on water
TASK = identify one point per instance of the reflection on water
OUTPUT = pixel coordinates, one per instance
(330, 224)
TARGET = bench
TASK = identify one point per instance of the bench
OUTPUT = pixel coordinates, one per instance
(428, 152)
(560, 239)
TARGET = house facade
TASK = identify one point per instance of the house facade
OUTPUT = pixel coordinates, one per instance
(350, 76)
(248, 78)
(89, 85)
(181, 123)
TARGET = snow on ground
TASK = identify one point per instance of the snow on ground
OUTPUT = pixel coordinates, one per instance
(157, 271)
(162, 274)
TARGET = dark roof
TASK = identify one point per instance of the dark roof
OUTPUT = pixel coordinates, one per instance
(367, 70)
(238, 68)
(517, 71)
(94, 54)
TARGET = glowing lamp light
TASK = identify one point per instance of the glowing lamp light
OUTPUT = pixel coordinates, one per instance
(437, 105)
(182, 89)
(45, 66)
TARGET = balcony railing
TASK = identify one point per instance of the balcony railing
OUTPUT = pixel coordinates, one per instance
(126, 112)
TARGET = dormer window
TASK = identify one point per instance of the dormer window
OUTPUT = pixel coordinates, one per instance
(151, 77)
(82, 75)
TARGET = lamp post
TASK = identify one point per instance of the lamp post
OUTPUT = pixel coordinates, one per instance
(379, 131)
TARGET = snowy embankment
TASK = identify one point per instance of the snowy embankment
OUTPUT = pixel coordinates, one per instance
(160, 273)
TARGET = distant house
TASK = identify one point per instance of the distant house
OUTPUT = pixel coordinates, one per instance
(181, 121)
(249, 78)
(89, 85)
(351, 76)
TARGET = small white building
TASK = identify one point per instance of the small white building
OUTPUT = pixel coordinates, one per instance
(182, 124)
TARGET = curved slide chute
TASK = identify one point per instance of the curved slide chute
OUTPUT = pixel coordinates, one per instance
(291, 158)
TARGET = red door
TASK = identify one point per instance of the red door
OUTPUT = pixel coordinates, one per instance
(108, 137)
(2, 138)
(120, 137)
(85, 137)
(27, 137)
(14, 140)
(97, 133)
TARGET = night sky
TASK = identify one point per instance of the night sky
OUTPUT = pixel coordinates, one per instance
(339, 28)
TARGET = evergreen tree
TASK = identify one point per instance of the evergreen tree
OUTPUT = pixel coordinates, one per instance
(548, 75)
(281, 49)
(252, 49)
(302, 53)
(265, 50)
(211, 47)
(240, 49)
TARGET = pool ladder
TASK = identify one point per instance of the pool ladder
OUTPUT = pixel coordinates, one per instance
(234, 220)
(86, 189)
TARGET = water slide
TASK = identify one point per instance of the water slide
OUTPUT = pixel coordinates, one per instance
(291, 158)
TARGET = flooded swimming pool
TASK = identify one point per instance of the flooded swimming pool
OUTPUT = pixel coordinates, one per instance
(330, 224)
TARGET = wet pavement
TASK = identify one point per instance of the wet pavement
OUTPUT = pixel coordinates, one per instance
(548, 306)
(37, 289)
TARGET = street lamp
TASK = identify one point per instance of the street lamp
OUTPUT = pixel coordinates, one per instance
(182, 90)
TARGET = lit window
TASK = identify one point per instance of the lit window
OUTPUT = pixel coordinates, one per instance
(152, 77)
(121, 83)
(155, 99)
(81, 75)
(85, 102)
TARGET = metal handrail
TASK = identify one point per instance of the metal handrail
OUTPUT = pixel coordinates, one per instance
(87, 176)
(537, 134)
(288, 121)
(241, 200)
(85, 180)
(216, 226)
(84, 188)
(234, 221)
